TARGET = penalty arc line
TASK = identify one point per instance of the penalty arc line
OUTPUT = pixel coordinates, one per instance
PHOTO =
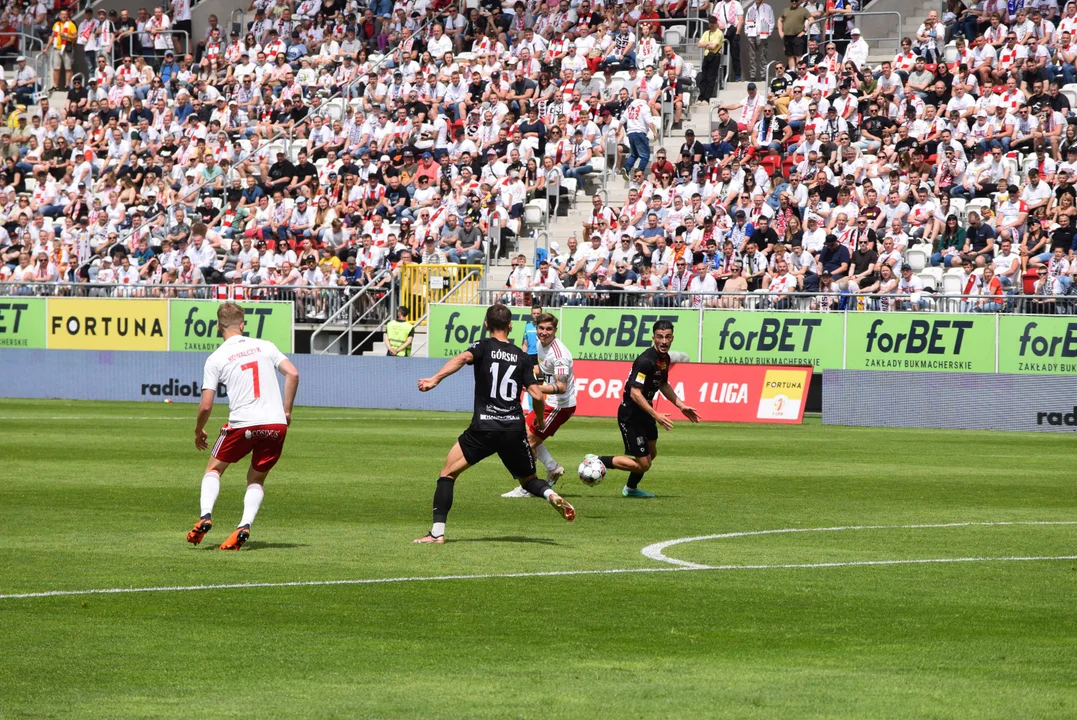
(552, 573)
(655, 551)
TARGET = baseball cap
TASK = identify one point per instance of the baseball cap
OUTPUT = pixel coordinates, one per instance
(854, 31)
(905, 266)
(384, 158)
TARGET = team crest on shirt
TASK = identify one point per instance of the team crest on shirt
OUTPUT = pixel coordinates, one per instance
(663, 365)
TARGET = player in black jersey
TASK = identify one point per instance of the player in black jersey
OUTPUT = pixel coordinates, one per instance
(502, 370)
(637, 417)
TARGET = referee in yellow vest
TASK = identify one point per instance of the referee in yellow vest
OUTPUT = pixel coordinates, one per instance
(398, 334)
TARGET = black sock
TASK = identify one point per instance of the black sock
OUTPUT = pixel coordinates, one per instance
(607, 460)
(443, 498)
(634, 480)
(536, 487)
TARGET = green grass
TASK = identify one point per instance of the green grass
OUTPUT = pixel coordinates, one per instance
(103, 499)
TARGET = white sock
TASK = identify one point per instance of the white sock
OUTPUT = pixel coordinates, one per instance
(547, 493)
(545, 457)
(252, 501)
(211, 487)
(438, 529)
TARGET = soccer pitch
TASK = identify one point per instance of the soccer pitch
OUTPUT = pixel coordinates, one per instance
(512, 617)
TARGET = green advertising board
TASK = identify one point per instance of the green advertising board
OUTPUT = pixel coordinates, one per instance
(623, 333)
(773, 338)
(193, 324)
(452, 328)
(920, 342)
(22, 323)
(1039, 345)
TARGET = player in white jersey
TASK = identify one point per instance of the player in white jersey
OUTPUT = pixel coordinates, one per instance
(257, 418)
(555, 366)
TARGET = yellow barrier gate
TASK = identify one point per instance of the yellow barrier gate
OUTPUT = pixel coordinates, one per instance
(424, 284)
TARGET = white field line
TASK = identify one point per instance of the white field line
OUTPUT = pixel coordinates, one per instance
(655, 551)
(679, 566)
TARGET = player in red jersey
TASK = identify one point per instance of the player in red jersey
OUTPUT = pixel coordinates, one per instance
(257, 418)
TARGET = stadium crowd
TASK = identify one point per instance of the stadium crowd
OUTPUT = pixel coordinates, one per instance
(329, 143)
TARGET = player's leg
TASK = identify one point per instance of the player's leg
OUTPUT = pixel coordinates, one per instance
(221, 456)
(457, 461)
(515, 454)
(268, 443)
(640, 450)
(536, 437)
(554, 470)
(252, 503)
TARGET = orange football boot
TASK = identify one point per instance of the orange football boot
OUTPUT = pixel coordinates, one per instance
(203, 526)
(237, 538)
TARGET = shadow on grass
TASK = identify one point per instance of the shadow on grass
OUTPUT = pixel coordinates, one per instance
(255, 545)
(509, 539)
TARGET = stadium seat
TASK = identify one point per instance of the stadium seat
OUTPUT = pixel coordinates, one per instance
(335, 108)
(950, 52)
(534, 212)
(598, 163)
(957, 207)
(1070, 91)
(952, 281)
(917, 256)
(931, 277)
(977, 204)
(674, 35)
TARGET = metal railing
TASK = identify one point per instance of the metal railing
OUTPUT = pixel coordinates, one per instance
(233, 25)
(831, 301)
(420, 340)
(374, 300)
(873, 42)
(424, 284)
(39, 60)
(311, 302)
(158, 54)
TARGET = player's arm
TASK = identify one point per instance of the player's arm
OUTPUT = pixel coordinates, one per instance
(205, 408)
(450, 368)
(210, 380)
(291, 385)
(561, 373)
(688, 412)
(662, 419)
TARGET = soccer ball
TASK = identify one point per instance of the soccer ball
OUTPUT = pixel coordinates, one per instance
(591, 471)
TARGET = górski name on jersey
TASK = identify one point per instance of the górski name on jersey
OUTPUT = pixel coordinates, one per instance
(502, 371)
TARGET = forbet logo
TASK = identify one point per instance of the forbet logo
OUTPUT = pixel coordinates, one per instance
(616, 335)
